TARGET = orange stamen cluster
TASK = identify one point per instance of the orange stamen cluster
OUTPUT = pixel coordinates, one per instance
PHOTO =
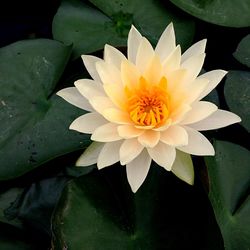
(148, 104)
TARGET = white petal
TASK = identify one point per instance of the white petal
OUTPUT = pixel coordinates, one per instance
(106, 133)
(179, 113)
(88, 123)
(134, 40)
(198, 144)
(109, 154)
(173, 60)
(113, 56)
(219, 119)
(137, 170)
(214, 77)
(195, 88)
(163, 155)
(90, 154)
(193, 65)
(183, 167)
(199, 111)
(195, 49)
(90, 65)
(144, 55)
(101, 103)
(149, 138)
(73, 96)
(108, 73)
(129, 150)
(166, 43)
(175, 136)
(89, 88)
(129, 131)
(116, 116)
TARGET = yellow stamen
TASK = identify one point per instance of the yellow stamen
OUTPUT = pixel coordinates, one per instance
(148, 104)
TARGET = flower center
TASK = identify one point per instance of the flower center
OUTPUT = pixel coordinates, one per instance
(148, 104)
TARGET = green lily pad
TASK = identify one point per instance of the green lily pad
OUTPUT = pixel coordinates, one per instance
(6, 200)
(229, 176)
(229, 13)
(34, 123)
(242, 53)
(99, 211)
(89, 29)
(237, 94)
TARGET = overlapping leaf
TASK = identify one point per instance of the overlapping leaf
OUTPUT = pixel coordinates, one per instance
(237, 94)
(242, 53)
(89, 29)
(229, 175)
(227, 13)
(34, 123)
(100, 211)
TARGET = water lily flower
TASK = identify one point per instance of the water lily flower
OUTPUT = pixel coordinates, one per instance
(147, 107)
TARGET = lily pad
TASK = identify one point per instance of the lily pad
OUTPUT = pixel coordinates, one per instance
(34, 122)
(89, 29)
(229, 176)
(237, 94)
(229, 13)
(99, 211)
(242, 53)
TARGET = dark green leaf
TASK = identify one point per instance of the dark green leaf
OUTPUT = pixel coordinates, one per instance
(226, 13)
(242, 53)
(7, 198)
(229, 176)
(89, 29)
(237, 94)
(34, 126)
(98, 211)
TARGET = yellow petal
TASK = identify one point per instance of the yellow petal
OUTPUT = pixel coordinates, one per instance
(116, 94)
(117, 116)
(153, 71)
(130, 74)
